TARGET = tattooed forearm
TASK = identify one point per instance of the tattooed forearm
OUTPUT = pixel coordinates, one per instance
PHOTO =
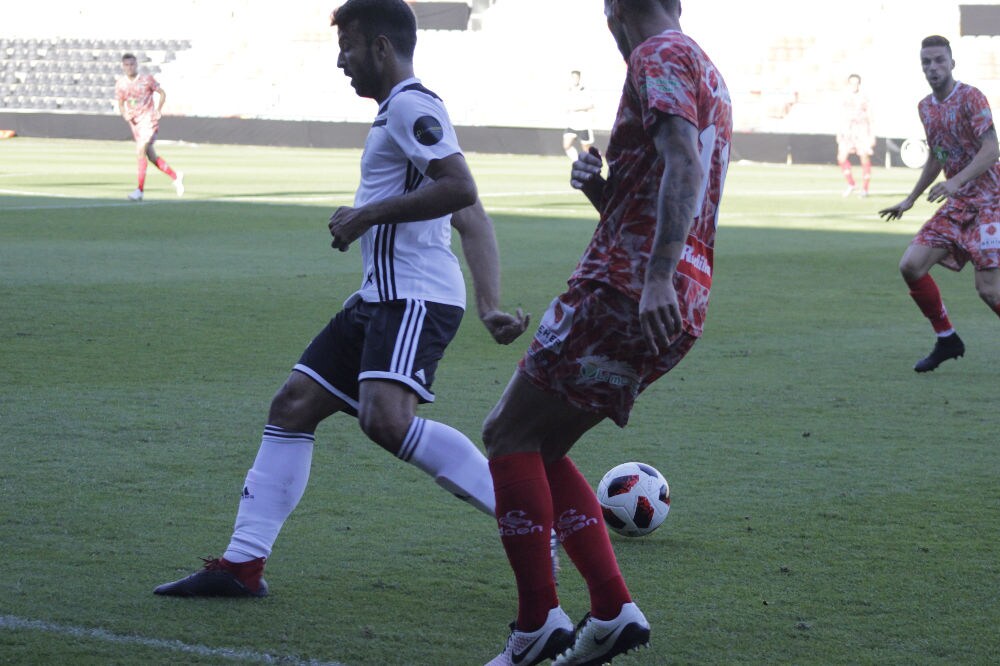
(677, 142)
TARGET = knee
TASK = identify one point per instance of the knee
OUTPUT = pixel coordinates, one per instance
(910, 271)
(386, 428)
(500, 441)
(490, 436)
(290, 409)
(990, 294)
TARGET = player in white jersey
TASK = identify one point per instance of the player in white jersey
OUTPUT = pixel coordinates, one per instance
(376, 358)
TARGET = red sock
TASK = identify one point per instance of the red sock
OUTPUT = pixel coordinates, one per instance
(249, 573)
(524, 515)
(162, 165)
(845, 166)
(928, 298)
(581, 531)
(143, 162)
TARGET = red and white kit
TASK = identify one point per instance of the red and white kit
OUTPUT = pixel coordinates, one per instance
(967, 224)
(140, 110)
(669, 74)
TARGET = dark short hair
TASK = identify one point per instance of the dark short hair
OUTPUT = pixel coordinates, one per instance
(854, 76)
(391, 18)
(128, 56)
(936, 40)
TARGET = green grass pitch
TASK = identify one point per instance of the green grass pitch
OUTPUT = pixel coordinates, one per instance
(830, 506)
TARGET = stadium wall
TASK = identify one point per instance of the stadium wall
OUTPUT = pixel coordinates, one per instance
(755, 147)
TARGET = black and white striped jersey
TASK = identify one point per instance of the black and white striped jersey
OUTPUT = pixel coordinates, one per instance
(413, 259)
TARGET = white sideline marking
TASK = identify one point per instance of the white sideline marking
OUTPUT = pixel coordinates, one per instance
(12, 622)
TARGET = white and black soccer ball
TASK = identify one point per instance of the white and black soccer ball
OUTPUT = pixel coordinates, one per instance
(635, 498)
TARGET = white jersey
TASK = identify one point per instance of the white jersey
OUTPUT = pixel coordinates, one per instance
(409, 260)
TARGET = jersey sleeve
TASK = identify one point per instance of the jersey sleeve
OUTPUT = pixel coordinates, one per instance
(980, 114)
(667, 78)
(420, 126)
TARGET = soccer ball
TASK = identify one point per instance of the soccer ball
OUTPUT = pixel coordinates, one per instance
(635, 499)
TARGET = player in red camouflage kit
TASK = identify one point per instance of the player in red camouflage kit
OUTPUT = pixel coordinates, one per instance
(635, 305)
(134, 94)
(962, 139)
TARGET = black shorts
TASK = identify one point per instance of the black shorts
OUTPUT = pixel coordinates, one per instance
(400, 341)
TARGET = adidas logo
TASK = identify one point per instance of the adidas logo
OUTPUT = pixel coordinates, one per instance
(245, 495)
(419, 374)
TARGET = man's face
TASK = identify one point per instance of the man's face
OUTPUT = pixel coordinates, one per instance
(854, 84)
(357, 61)
(937, 64)
(130, 67)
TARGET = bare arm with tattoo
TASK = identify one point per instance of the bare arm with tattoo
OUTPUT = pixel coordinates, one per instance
(676, 141)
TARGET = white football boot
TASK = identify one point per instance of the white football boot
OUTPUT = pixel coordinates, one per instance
(529, 648)
(599, 641)
(135, 195)
(179, 183)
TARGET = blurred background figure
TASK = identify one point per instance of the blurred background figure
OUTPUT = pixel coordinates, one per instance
(856, 136)
(580, 125)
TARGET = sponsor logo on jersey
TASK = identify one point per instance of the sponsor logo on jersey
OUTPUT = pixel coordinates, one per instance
(514, 523)
(427, 130)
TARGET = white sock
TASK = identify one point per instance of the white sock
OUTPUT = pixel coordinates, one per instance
(273, 487)
(572, 154)
(452, 460)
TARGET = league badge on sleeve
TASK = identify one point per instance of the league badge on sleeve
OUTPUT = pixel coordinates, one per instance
(427, 130)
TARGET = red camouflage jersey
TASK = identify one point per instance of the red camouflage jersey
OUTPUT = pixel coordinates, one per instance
(955, 128)
(137, 94)
(668, 74)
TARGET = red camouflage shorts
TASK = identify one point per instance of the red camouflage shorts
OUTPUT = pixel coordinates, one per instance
(967, 233)
(589, 350)
(144, 129)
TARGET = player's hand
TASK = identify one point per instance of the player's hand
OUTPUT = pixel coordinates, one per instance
(895, 212)
(586, 169)
(346, 226)
(505, 327)
(942, 191)
(659, 312)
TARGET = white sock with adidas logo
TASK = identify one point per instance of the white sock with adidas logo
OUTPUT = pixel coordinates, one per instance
(273, 488)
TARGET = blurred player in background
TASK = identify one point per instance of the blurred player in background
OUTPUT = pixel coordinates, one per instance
(962, 139)
(377, 357)
(856, 136)
(134, 93)
(635, 306)
(580, 118)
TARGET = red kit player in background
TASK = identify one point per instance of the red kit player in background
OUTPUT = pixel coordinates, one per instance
(962, 139)
(856, 136)
(635, 305)
(134, 93)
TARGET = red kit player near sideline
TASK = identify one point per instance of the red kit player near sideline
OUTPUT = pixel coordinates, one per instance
(856, 136)
(962, 139)
(635, 305)
(134, 93)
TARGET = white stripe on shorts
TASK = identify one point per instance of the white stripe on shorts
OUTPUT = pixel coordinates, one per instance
(408, 337)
